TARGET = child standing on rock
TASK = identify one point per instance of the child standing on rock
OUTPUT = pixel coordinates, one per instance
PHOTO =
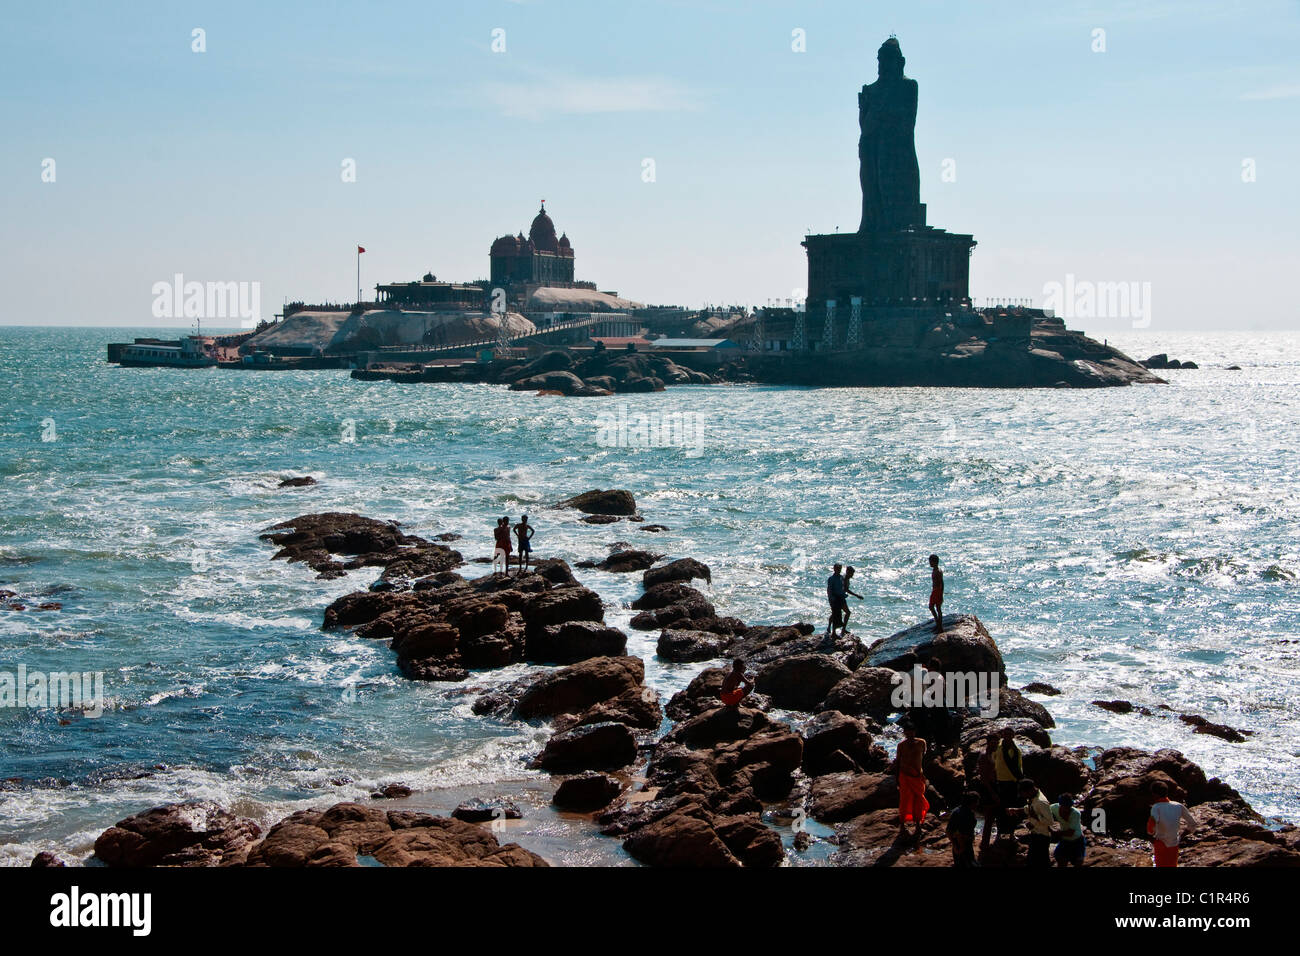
(936, 593)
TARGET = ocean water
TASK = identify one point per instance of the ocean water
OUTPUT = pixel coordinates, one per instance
(1135, 543)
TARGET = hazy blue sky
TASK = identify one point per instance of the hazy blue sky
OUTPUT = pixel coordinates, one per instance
(225, 165)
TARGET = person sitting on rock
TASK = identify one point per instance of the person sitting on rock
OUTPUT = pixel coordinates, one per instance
(737, 685)
(502, 552)
(1070, 851)
(524, 532)
(839, 603)
(961, 829)
(936, 594)
(912, 804)
(1165, 825)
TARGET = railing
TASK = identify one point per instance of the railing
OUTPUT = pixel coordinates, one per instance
(476, 343)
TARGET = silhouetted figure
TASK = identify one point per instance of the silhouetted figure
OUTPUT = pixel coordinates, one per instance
(936, 594)
(1008, 766)
(524, 532)
(887, 168)
(961, 829)
(1038, 817)
(835, 594)
(848, 590)
(1073, 845)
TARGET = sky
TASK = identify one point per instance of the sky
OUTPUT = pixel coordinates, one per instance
(685, 147)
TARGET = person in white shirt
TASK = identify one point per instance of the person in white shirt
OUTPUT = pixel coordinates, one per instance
(1038, 817)
(1165, 825)
(1070, 851)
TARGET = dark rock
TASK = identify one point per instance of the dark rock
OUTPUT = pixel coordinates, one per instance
(177, 834)
(573, 689)
(602, 746)
(394, 791)
(1114, 706)
(574, 641)
(684, 646)
(801, 681)
(964, 645)
(586, 792)
(867, 691)
(481, 811)
(1038, 687)
(681, 570)
(612, 502)
(301, 481)
(46, 859)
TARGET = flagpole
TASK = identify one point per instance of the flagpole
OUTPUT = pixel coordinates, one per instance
(358, 275)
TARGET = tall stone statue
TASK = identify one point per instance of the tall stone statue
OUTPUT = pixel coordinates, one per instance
(890, 175)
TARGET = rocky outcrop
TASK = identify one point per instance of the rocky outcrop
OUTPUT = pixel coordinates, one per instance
(178, 834)
(586, 792)
(614, 502)
(321, 540)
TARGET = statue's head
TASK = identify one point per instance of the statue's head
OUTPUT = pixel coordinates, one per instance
(890, 58)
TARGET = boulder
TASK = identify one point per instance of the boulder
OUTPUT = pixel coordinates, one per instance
(686, 645)
(679, 571)
(566, 383)
(177, 834)
(560, 605)
(868, 691)
(482, 811)
(801, 681)
(681, 838)
(611, 502)
(574, 641)
(586, 792)
(964, 645)
(603, 746)
(835, 742)
(573, 689)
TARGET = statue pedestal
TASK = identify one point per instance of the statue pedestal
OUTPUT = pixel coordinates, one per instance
(912, 267)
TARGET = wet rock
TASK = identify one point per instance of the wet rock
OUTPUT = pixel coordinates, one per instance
(290, 843)
(611, 502)
(749, 840)
(842, 796)
(1012, 703)
(1038, 687)
(574, 641)
(316, 539)
(868, 691)
(625, 561)
(586, 792)
(1203, 726)
(301, 481)
(393, 791)
(563, 604)
(177, 834)
(602, 746)
(568, 690)
(975, 730)
(482, 811)
(835, 742)
(964, 645)
(800, 681)
(682, 838)
(46, 859)
(686, 646)
(638, 707)
(679, 571)
(1114, 706)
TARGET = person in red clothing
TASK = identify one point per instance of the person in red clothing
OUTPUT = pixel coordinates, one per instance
(912, 804)
(737, 685)
(936, 593)
(1165, 825)
(502, 536)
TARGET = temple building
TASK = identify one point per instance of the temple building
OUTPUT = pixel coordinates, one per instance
(540, 260)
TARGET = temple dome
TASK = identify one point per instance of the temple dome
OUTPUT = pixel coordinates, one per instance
(542, 233)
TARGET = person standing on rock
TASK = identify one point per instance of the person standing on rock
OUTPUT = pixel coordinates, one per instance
(1165, 825)
(839, 603)
(987, 775)
(736, 686)
(502, 552)
(936, 594)
(1038, 816)
(524, 532)
(912, 804)
(848, 580)
(1008, 769)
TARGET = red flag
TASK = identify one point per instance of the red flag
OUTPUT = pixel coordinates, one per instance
(360, 249)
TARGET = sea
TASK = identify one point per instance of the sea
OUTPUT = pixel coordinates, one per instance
(1132, 543)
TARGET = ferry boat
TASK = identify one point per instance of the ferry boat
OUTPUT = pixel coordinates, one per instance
(193, 351)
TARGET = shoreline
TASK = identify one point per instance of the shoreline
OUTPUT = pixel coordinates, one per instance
(750, 808)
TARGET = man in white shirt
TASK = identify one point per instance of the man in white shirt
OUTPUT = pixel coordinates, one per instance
(1038, 817)
(1165, 825)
